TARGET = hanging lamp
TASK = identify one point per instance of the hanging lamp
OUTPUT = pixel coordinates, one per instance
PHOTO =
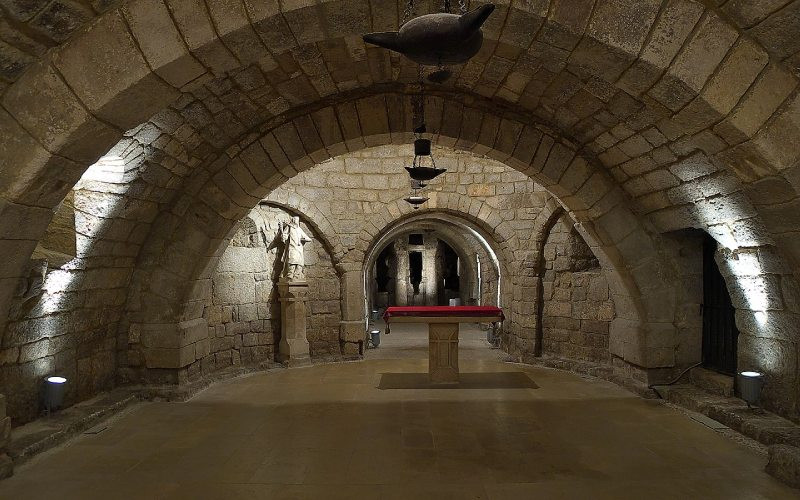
(418, 171)
(437, 39)
(416, 200)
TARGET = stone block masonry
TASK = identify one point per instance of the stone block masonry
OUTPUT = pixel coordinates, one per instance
(244, 319)
(6, 466)
(577, 308)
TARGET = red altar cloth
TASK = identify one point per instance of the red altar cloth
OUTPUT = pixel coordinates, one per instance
(442, 311)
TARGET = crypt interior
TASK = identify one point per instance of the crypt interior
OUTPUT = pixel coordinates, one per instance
(225, 274)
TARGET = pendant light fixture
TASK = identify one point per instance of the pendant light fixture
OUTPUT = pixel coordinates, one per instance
(423, 168)
(437, 39)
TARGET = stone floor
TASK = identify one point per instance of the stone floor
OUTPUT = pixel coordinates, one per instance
(373, 429)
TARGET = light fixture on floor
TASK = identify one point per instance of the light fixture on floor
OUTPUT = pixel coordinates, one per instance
(750, 385)
(54, 388)
(375, 337)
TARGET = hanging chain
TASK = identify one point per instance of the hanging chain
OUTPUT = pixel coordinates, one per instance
(462, 6)
(407, 12)
(417, 110)
(446, 6)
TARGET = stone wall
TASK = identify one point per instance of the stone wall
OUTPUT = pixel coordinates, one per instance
(363, 189)
(577, 307)
(244, 311)
(6, 466)
(687, 246)
(68, 316)
(65, 316)
(637, 90)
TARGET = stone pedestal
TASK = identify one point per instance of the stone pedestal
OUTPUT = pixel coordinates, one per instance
(293, 346)
(443, 353)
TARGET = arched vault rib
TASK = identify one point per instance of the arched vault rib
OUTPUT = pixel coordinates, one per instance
(241, 181)
(772, 27)
(623, 96)
(522, 64)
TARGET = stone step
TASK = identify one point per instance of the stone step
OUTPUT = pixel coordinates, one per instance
(782, 436)
(711, 381)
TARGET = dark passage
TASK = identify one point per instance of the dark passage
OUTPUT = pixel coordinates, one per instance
(382, 276)
(415, 265)
(719, 324)
(451, 278)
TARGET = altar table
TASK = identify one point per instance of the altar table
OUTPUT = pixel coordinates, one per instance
(442, 324)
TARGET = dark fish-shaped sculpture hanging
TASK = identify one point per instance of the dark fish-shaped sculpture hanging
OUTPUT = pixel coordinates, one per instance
(437, 39)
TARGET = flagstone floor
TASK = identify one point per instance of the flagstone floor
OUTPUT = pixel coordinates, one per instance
(375, 430)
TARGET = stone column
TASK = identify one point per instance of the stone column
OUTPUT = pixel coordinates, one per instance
(293, 346)
(353, 324)
(401, 281)
(428, 284)
(6, 465)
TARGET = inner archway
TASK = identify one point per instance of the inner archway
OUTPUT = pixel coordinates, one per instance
(471, 278)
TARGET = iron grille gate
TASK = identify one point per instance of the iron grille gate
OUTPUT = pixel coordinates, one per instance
(719, 325)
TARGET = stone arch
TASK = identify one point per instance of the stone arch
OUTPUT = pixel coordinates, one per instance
(445, 217)
(461, 244)
(605, 29)
(499, 242)
(50, 141)
(314, 219)
(243, 179)
(91, 113)
(457, 205)
(544, 219)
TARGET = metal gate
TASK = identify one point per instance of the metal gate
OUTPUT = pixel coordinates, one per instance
(719, 326)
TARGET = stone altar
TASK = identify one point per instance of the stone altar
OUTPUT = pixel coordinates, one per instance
(443, 324)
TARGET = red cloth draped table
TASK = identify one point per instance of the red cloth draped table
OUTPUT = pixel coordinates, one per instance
(443, 324)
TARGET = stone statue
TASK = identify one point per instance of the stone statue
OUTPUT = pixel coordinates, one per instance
(294, 261)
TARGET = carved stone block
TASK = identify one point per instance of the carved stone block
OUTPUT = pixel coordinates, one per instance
(443, 353)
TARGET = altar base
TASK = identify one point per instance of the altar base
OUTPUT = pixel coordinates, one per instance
(443, 353)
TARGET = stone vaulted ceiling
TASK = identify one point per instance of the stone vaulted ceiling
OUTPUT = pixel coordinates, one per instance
(689, 108)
